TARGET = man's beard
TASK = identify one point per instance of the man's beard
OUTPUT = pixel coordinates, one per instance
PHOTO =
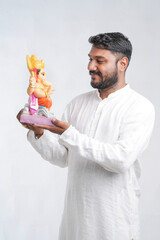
(105, 82)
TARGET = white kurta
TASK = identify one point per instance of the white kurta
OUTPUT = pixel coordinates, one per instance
(101, 149)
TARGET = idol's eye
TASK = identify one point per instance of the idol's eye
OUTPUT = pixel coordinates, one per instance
(90, 59)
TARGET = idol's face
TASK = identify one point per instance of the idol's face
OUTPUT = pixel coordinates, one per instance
(42, 75)
(102, 68)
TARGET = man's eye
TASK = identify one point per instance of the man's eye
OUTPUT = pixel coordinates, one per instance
(100, 61)
(90, 59)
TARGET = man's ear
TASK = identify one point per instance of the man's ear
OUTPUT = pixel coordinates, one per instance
(123, 63)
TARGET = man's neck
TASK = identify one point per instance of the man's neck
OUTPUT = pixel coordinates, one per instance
(104, 93)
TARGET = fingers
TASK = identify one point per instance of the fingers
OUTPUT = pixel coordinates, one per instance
(32, 80)
(19, 117)
(58, 128)
(60, 124)
(50, 128)
(19, 114)
(30, 127)
(55, 129)
(23, 124)
(34, 128)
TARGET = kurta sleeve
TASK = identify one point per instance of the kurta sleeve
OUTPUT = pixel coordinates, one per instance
(134, 135)
(49, 148)
(48, 145)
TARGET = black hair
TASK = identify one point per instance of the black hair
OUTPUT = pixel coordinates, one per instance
(116, 42)
(38, 71)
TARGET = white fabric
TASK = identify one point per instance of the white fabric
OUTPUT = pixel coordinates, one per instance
(101, 149)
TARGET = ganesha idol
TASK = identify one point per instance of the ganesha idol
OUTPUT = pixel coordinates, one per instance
(38, 109)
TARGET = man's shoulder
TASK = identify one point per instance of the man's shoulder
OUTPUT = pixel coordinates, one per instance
(139, 100)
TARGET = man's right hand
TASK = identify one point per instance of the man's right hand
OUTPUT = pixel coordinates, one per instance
(37, 131)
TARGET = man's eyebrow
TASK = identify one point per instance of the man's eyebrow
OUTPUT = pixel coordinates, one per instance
(97, 56)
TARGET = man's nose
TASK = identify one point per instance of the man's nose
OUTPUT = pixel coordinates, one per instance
(92, 66)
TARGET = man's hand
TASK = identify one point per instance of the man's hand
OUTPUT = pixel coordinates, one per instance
(59, 127)
(37, 131)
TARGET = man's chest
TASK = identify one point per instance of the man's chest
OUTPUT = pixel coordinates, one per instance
(101, 120)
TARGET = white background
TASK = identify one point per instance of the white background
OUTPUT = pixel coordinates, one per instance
(32, 190)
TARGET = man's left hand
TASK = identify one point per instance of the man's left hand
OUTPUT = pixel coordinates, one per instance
(59, 127)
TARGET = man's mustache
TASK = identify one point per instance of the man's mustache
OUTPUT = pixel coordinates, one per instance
(95, 73)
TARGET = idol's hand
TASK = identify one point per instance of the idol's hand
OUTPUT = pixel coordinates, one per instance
(32, 85)
(59, 127)
(32, 81)
(51, 92)
(37, 131)
(47, 84)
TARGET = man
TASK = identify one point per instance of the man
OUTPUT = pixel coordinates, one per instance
(100, 139)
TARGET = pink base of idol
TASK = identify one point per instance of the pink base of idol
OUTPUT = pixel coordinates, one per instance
(36, 119)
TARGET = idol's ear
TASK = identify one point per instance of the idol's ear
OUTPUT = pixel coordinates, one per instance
(29, 63)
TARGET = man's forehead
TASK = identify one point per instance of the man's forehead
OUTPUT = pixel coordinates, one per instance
(97, 52)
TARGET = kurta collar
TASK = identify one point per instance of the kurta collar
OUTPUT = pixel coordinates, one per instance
(114, 94)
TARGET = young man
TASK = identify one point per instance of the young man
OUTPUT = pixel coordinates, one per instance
(100, 139)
